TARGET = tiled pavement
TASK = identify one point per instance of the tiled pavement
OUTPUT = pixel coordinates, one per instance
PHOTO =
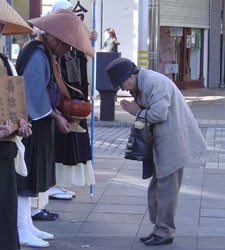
(116, 216)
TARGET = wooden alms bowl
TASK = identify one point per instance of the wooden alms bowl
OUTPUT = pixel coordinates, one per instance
(74, 108)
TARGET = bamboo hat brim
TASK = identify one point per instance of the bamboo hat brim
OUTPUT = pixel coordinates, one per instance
(15, 24)
(67, 27)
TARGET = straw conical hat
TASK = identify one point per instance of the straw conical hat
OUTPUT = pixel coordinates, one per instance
(67, 27)
(14, 22)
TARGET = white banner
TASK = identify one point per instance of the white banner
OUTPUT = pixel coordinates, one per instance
(83, 9)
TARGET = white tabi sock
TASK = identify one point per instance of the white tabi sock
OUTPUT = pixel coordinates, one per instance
(26, 238)
(35, 231)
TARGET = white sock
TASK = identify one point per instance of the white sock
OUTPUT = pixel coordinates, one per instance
(23, 203)
(35, 231)
(25, 235)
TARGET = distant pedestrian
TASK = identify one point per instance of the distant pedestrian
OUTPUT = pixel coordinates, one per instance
(177, 139)
(110, 44)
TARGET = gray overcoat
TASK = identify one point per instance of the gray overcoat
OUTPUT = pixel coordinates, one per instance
(177, 137)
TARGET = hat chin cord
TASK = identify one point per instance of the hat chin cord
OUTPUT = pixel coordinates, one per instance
(3, 28)
(58, 47)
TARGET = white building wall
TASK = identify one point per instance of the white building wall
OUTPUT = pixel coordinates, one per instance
(122, 16)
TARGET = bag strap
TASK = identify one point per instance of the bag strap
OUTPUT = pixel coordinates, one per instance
(56, 72)
(73, 88)
(146, 120)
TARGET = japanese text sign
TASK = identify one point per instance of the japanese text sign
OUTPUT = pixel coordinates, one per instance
(12, 98)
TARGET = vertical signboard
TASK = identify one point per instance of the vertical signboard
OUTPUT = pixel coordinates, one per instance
(83, 9)
(12, 98)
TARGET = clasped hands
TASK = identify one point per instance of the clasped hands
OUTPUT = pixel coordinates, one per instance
(131, 107)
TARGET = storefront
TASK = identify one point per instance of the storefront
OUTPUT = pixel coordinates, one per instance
(184, 41)
(182, 56)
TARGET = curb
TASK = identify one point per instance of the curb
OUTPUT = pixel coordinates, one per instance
(110, 124)
(211, 125)
(129, 124)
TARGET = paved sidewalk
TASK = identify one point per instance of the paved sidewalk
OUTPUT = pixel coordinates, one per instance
(116, 216)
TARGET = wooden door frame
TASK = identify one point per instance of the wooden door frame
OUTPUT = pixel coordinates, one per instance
(184, 83)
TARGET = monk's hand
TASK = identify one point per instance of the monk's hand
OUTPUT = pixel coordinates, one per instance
(6, 130)
(130, 107)
(62, 124)
(24, 129)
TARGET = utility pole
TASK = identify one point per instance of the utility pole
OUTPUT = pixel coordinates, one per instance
(143, 34)
(154, 34)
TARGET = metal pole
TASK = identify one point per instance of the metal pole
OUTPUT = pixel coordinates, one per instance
(92, 99)
(101, 36)
(223, 45)
(222, 83)
(154, 34)
(142, 34)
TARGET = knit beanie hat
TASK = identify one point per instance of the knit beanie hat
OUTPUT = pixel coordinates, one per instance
(119, 70)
